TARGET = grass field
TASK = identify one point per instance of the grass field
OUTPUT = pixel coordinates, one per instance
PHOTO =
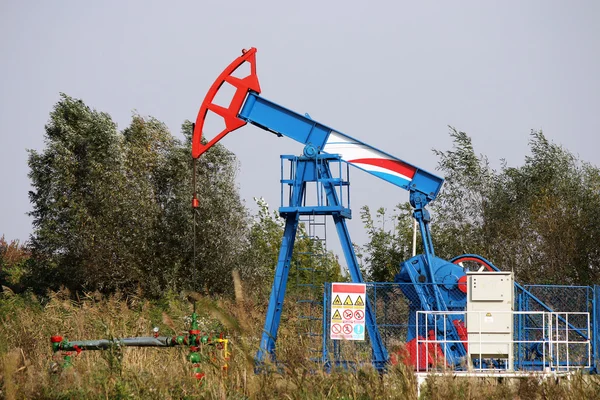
(29, 371)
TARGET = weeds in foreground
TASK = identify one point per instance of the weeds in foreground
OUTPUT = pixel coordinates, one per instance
(150, 373)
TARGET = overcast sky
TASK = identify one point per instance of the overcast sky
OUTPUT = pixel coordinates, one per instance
(393, 74)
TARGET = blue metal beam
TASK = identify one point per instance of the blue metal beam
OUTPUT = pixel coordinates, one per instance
(321, 138)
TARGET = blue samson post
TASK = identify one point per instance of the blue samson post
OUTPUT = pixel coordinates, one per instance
(319, 141)
(313, 168)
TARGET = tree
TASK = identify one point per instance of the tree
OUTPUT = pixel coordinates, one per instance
(458, 212)
(542, 219)
(112, 210)
(266, 233)
(13, 262)
(539, 220)
(387, 247)
(221, 220)
(77, 191)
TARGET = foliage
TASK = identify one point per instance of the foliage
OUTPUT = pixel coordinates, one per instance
(541, 219)
(111, 210)
(459, 209)
(387, 247)
(221, 221)
(266, 233)
(14, 258)
(77, 185)
(149, 373)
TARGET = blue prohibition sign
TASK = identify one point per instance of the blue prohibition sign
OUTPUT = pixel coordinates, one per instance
(359, 329)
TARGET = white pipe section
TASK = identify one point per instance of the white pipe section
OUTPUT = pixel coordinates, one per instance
(414, 247)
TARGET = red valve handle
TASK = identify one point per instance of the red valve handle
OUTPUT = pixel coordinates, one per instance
(462, 281)
(478, 261)
(229, 114)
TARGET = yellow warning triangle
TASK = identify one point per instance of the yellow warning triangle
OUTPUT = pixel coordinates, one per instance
(337, 301)
(336, 315)
(359, 301)
(348, 301)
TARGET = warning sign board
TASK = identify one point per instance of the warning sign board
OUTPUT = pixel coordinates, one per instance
(348, 317)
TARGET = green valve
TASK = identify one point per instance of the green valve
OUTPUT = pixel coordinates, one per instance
(194, 357)
(204, 339)
(194, 321)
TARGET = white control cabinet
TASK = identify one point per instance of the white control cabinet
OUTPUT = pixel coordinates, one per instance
(489, 315)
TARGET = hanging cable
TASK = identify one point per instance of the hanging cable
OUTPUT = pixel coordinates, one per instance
(195, 205)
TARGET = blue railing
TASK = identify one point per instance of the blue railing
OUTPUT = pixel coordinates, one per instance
(393, 311)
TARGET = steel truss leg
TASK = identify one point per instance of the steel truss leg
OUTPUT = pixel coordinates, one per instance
(273, 318)
(269, 335)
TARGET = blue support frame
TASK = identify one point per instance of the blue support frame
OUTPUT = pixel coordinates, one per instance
(596, 329)
(325, 337)
(313, 169)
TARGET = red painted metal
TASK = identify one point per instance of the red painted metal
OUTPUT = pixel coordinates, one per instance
(199, 375)
(229, 114)
(430, 354)
(56, 339)
(393, 165)
(462, 284)
(478, 261)
(346, 288)
(461, 329)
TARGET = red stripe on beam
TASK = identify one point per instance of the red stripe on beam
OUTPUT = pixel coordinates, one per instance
(392, 165)
(338, 288)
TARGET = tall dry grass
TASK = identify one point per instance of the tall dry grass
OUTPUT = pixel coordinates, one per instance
(146, 373)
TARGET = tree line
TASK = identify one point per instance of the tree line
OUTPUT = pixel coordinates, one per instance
(112, 212)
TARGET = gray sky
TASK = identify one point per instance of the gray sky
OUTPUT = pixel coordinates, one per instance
(393, 74)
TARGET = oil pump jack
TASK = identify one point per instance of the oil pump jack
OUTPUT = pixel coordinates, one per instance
(431, 283)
